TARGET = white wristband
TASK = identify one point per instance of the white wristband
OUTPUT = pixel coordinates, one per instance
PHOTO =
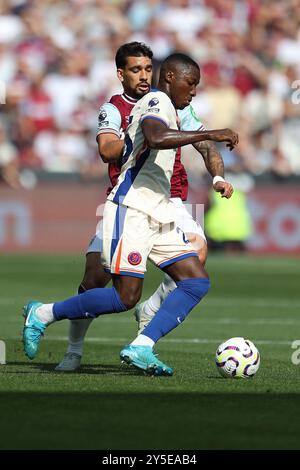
(217, 179)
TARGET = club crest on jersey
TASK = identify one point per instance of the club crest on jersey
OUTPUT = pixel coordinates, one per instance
(134, 258)
(153, 102)
(102, 115)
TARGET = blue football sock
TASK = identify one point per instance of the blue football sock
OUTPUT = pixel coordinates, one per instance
(176, 307)
(89, 304)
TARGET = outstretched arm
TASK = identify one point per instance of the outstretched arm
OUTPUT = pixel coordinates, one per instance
(215, 166)
(159, 136)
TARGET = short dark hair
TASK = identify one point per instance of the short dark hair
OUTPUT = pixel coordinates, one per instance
(131, 49)
(178, 59)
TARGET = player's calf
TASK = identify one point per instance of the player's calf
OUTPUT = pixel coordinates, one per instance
(89, 304)
(173, 311)
(176, 307)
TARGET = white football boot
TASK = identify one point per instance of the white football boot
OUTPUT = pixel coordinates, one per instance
(70, 363)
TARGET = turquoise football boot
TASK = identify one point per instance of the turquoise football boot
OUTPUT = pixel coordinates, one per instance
(33, 329)
(143, 358)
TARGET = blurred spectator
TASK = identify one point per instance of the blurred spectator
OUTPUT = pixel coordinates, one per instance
(66, 87)
(61, 150)
(37, 105)
(222, 100)
(11, 26)
(57, 61)
(8, 160)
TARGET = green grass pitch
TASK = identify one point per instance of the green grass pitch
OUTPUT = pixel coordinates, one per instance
(109, 406)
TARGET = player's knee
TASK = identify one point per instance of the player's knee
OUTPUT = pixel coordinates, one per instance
(130, 297)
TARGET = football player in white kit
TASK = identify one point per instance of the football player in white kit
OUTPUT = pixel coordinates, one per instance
(139, 224)
(133, 61)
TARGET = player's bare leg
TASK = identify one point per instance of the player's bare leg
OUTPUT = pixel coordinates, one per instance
(146, 310)
(189, 268)
(94, 276)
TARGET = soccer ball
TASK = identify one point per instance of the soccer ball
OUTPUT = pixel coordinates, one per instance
(237, 357)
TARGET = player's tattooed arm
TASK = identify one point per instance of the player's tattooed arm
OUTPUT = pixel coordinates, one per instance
(110, 147)
(212, 157)
(215, 166)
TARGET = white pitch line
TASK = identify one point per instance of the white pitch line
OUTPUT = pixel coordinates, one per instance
(223, 321)
(201, 320)
(258, 302)
(241, 321)
(223, 302)
(173, 340)
(197, 318)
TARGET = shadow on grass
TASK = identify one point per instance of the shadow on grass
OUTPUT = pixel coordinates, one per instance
(90, 369)
(115, 420)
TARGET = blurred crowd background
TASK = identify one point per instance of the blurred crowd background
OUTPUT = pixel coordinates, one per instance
(57, 61)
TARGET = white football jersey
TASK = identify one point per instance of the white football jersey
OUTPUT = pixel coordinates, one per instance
(144, 182)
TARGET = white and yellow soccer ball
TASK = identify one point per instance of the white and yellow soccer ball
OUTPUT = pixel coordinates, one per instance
(237, 357)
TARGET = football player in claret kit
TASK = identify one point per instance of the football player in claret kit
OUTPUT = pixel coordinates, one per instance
(134, 68)
(139, 223)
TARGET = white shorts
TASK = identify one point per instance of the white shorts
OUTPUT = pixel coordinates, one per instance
(184, 221)
(130, 237)
(96, 243)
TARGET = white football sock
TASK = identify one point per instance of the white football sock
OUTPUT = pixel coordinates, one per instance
(154, 303)
(45, 313)
(142, 340)
(77, 332)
